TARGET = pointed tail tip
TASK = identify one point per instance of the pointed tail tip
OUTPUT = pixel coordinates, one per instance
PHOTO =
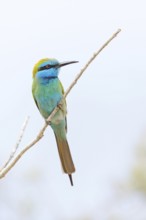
(71, 180)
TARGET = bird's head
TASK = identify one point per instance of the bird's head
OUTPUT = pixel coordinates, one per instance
(48, 68)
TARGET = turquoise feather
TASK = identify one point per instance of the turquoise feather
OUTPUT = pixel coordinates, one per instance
(47, 91)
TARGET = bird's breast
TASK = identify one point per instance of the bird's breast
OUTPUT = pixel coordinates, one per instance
(48, 96)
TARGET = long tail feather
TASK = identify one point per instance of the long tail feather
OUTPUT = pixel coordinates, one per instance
(65, 156)
(71, 180)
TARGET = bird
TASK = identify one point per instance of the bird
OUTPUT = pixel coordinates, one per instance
(47, 91)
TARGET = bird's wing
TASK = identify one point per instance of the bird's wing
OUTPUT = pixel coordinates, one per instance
(65, 105)
(61, 87)
(33, 92)
(36, 102)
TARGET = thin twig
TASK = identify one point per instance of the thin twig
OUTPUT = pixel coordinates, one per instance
(12, 154)
(41, 133)
(90, 61)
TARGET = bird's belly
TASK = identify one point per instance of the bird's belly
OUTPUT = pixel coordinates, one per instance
(47, 103)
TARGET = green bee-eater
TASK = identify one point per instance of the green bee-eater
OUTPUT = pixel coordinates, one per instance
(47, 91)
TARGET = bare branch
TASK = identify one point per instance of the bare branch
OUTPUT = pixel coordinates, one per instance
(41, 133)
(10, 166)
(12, 154)
(90, 61)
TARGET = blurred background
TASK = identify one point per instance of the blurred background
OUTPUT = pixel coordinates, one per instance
(106, 110)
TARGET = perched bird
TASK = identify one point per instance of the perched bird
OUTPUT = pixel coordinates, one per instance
(47, 92)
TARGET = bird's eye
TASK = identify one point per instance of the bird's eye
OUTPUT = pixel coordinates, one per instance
(48, 66)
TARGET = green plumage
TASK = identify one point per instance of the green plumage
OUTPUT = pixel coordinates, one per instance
(47, 92)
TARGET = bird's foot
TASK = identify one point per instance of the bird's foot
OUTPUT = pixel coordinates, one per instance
(60, 106)
(48, 122)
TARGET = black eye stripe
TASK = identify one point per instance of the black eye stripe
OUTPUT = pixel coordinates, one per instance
(47, 67)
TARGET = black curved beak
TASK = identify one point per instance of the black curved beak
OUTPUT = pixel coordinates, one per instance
(67, 63)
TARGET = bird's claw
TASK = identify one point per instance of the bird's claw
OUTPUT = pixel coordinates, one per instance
(48, 122)
(60, 106)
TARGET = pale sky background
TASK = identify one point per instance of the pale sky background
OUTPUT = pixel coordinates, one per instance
(106, 109)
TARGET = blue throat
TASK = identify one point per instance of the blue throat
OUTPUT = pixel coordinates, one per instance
(47, 79)
(46, 76)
